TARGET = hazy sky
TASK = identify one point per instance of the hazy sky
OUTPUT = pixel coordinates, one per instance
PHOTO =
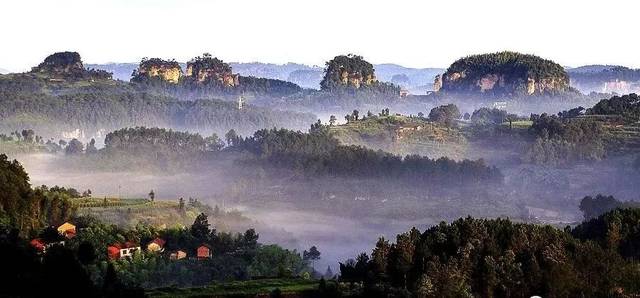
(411, 33)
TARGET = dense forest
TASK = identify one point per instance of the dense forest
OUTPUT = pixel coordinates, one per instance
(318, 153)
(26, 208)
(499, 258)
(51, 109)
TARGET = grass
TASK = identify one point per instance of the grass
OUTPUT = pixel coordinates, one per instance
(523, 124)
(249, 288)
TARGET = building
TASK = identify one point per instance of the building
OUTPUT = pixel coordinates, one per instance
(39, 245)
(121, 251)
(203, 252)
(404, 93)
(177, 255)
(157, 245)
(67, 230)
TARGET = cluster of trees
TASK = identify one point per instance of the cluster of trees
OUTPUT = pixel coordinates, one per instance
(514, 68)
(626, 106)
(318, 153)
(487, 116)
(29, 209)
(446, 114)
(593, 207)
(499, 258)
(563, 141)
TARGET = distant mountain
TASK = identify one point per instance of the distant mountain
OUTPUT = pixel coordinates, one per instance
(121, 71)
(303, 75)
(418, 78)
(591, 68)
(4, 71)
(605, 78)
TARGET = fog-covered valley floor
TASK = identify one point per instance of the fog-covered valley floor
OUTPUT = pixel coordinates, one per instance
(539, 193)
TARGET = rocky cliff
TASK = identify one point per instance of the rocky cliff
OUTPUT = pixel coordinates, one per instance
(156, 68)
(207, 69)
(503, 74)
(65, 66)
(348, 71)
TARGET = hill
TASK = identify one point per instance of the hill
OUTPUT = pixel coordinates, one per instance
(503, 74)
(402, 135)
(605, 78)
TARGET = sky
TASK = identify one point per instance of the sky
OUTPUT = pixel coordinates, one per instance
(409, 33)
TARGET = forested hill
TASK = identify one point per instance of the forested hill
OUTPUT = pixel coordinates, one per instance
(499, 258)
(504, 74)
(94, 108)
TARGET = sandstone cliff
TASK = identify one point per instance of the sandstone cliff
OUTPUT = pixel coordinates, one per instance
(503, 74)
(156, 68)
(67, 66)
(207, 69)
(348, 71)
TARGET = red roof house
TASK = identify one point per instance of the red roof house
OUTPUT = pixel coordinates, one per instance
(38, 244)
(203, 252)
(113, 251)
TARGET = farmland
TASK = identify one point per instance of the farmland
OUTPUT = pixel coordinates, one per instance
(403, 135)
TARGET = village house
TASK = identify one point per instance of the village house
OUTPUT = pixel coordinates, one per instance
(121, 251)
(203, 252)
(177, 255)
(404, 93)
(67, 230)
(157, 245)
(41, 246)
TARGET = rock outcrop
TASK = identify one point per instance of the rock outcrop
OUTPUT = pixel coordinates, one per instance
(156, 68)
(66, 66)
(503, 74)
(348, 71)
(207, 69)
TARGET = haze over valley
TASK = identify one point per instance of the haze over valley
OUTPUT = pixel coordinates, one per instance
(505, 173)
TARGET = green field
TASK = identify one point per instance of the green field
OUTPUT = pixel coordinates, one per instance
(402, 135)
(250, 288)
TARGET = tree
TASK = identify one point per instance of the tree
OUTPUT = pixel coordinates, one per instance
(355, 115)
(312, 255)
(332, 120)
(91, 147)
(152, 195)
(213, 143)
(27, 135)
(200, 228)
(231, 136)
(181, 205)
(74, 147)
(446, 114)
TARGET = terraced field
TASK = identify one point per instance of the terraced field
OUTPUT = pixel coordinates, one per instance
(403, 135)
(627, 138)
(129, 212)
